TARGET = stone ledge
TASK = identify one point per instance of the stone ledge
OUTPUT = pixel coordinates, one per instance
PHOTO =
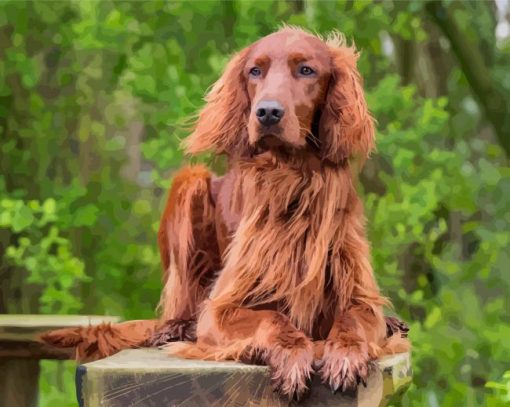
(149, 377)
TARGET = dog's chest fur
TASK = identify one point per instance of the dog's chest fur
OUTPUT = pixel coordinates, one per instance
(278, 225)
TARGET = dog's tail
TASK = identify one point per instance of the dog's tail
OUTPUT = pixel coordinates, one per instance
(99, 341)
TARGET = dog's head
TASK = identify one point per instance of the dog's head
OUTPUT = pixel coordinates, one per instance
(290, 90)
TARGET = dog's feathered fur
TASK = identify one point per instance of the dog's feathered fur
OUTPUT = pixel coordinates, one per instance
(272, 259)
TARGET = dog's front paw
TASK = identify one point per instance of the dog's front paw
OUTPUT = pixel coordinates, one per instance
(291, 366)
(344, 366)
(174, 330)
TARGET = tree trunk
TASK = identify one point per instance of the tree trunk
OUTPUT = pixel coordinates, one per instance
(491, 99)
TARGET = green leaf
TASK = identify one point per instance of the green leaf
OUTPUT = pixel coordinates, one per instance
(85, 215)
(22, 218)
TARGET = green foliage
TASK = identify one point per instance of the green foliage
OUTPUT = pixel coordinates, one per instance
(452, 298)
(56, 383)
(43, 253)
(95, 98)
(501, 389)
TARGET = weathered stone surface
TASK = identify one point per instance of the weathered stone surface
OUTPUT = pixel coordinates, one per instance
(149, 377)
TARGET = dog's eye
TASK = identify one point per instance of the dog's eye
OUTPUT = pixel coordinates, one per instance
(255, 71)
(306, 70)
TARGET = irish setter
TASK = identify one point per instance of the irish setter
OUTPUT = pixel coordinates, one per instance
(271, 261)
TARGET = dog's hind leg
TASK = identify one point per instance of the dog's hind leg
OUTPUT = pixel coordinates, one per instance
(189, 253)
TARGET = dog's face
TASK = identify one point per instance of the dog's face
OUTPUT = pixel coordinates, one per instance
(288, 90)
(287, 76)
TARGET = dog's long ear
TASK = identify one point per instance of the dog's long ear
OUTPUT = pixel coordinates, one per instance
(346, 127)
(221, 125)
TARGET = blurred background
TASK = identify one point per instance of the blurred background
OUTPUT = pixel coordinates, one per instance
(92, 100)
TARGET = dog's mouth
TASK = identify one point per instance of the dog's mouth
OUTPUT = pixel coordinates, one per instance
(273, 141)
(269, 142)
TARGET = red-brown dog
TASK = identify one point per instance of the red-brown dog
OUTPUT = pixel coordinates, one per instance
(271, 260)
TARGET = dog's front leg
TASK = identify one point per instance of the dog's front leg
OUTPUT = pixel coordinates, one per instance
(351, 346)
(359, 327)
(228, 329)
(259, 336)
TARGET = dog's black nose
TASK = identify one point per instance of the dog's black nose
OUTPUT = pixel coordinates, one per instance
(269, 112)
